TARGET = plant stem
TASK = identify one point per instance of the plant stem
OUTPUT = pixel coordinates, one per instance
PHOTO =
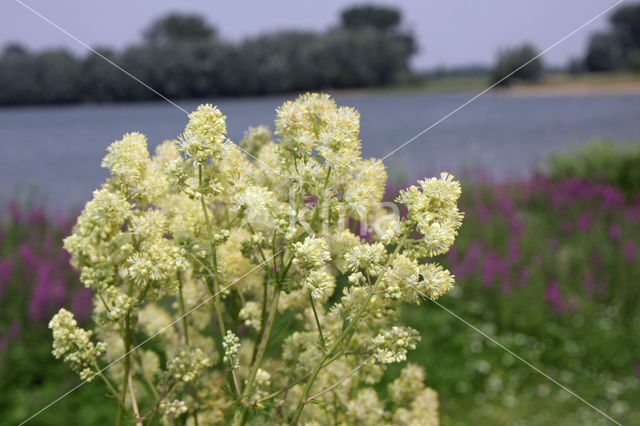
(127, 361)
(185, 325)
(303, 398)
(111, 388)
(134, 401)
(239, 414)
(316, 209)
(333, 386)
(263, 320)
(315, 314)
(216, 282)
(297, 381)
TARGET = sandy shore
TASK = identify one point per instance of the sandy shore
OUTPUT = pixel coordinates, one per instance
(578, 85)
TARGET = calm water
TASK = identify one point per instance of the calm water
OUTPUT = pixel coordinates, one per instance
(57, 150)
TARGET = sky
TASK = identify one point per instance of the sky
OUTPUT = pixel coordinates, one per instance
(449, 32)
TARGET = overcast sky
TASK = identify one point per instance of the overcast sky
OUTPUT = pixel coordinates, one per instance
(449, 32)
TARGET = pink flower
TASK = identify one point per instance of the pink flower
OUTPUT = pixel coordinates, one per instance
(554, 296)
(493, 266)
(6, 269)
(590, 284)
(28, 256)
(584, 222)
(629, 251)
(614, 232)
(525, 275)
(513, 249)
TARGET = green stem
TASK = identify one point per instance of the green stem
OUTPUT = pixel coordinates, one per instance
(216, 279)
(316, 210)
(111, 387)
(127, 361)
(305, 394)
(239, 414)
(263, 320)
(185, 324)
(315, 314)
(298, 380)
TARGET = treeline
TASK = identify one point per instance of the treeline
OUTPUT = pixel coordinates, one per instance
(182, 56)
(618, 47)
(615, 49)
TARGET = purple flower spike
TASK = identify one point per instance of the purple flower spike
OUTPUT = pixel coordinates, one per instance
(554, 296)
(81, 303)
(614, 232)
(629, 251)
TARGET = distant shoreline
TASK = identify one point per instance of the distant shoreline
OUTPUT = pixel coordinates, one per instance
(580, 85)
(551, 85)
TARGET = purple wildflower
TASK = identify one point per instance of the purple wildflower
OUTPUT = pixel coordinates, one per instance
(81, 303)
(28, 256)
(584, 222)
(590, 284)
(614, 232)
(554, 296)
(6, 269)
(629, 251)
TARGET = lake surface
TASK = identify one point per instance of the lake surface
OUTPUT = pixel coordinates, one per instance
(57, 151)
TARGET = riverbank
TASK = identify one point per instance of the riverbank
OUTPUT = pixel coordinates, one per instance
(556, 84)
(551, 84)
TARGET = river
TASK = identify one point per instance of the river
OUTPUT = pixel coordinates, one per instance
(56, 151)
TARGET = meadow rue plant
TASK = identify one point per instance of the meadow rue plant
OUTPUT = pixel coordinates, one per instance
(285, 312)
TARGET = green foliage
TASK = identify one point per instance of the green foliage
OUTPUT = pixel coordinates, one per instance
(601, 161)
(604, 53)
(176, 27)
(617, 47)
(510, 60)
(183, 58)
(370, 16)
(626, 24)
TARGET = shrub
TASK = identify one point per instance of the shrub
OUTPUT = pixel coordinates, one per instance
(511, 60)
(601, 161)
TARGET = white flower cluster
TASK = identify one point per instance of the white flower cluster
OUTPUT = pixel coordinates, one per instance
(188, 365)
(74, 345)
(264, 242)
(320, 283)
(433, 208)
(313, 252)
(392, 345)
(413, 403)
(117, 304)
(231, 345)
(173, 409)
(203, 136)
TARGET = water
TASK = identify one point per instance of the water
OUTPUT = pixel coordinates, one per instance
(57, 150)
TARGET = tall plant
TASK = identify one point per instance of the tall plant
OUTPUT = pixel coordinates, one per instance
(237, 248)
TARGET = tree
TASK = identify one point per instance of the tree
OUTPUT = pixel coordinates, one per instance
(369, 16)
(178, 27)
(604, 53)
(58, 76)
(101, 81)
(385, 20)
(512, 59)
(626, 26)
